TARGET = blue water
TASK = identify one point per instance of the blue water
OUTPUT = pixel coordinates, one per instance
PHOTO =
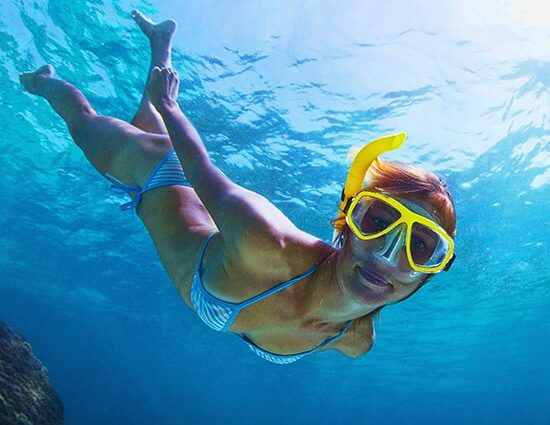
(280, 91)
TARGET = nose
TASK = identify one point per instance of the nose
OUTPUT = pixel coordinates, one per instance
(394, 241)
(389, 252)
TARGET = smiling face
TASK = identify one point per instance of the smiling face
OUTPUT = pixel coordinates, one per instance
(375, 269)
(377, 272)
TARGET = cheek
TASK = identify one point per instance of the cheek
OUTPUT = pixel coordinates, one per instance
(411, 278)
(407, 288)
(345, 265)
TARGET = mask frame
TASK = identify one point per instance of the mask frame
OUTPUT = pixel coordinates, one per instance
(408, 218)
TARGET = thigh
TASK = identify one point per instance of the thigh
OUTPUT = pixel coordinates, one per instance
(178, 224)
(174, 216)
(118, 148)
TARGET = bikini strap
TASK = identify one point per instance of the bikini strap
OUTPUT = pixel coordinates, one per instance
(121, 187)
(159, 177)
(277, 288)
(203, 250)
(334, 338)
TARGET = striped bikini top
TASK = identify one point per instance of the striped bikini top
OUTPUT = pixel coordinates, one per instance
(220, 315)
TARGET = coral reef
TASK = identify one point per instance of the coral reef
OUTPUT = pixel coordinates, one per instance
(26, 396)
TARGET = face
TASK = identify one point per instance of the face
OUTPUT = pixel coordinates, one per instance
(377, 271)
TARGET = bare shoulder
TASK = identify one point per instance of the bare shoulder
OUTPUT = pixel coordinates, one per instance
(279, 252)
(264, 258)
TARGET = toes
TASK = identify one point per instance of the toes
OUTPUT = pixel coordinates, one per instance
(144, 23)
(140, 18)
(136, 14)
(45, 69)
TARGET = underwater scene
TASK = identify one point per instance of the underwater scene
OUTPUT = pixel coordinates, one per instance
(282, 94)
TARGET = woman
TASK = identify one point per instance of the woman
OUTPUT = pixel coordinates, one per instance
(236, 259)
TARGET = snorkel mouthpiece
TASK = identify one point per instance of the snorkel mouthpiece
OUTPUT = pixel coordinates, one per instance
(361, 164)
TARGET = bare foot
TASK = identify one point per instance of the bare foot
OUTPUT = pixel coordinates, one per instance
(31, 80)
(155, 32)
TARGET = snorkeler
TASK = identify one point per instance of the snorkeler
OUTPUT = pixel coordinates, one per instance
(233, 256)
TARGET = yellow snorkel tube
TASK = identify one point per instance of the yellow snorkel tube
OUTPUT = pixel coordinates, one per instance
(361, 164)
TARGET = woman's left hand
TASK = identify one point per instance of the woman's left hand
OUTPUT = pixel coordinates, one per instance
(162, 87)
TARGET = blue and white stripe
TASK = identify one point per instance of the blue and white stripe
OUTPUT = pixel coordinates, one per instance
(212, 311)
(291, 358)
(168, 172)
(220, 315)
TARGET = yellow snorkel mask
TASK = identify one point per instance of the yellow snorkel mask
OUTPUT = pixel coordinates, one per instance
(372, 215)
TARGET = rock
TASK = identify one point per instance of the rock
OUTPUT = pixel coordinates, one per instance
(26, 396)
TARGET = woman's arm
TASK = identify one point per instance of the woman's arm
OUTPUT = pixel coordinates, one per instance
(244, 218)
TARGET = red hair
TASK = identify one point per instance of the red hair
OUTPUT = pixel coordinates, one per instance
(409, 180)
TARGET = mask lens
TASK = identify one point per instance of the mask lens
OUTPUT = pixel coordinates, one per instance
(372, 215)
(428, 248)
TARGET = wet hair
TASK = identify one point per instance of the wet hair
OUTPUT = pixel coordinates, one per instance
(412, 181)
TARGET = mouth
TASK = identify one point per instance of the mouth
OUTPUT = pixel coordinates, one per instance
(374, 279)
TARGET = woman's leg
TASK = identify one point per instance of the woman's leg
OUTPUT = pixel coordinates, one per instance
(116, 148)
(160, 40)
(174, 216)
(111, 145)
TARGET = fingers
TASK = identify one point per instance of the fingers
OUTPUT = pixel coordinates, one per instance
(155, 72)
(163, 86)
(164, 72)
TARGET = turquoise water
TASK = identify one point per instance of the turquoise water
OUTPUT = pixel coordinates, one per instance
(280, 92)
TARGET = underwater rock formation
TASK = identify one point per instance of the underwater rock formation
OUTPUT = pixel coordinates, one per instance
(26, 396)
